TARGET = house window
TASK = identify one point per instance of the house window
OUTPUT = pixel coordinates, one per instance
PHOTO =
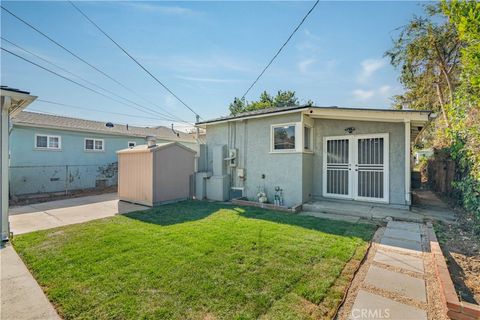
(131, 144)
(307, 138)
(283, 137)
(94, 144)
(43, 141)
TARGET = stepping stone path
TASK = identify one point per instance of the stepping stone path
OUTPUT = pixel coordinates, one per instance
(394, 285)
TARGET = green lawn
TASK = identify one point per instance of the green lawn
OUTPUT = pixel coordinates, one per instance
(196, 260)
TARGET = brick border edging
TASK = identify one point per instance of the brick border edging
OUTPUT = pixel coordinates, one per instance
(456, 309)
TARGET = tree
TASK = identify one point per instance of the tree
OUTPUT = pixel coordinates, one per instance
(465, 131)
(427, 53)
(281, 100)
(439, 61)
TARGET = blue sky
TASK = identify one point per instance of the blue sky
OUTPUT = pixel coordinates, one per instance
(207, 53)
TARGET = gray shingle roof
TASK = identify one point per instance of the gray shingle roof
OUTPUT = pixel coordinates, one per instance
(34, 119)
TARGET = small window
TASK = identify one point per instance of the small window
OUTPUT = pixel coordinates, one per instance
(47, 142)
(94, 144)
(307, 138)
(284, 137)
(131, 144)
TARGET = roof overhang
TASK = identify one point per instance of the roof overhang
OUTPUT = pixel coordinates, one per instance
(204, 124)
(415, 118)
(383, 115)
(18, 100)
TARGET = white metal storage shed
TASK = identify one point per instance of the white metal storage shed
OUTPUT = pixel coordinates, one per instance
(152, 175)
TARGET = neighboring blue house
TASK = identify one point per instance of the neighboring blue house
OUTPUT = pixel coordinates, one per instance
(57, 154)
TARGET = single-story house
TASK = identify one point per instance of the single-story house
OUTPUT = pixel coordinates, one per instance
(12, 102)
(52, 153)
(305, 153)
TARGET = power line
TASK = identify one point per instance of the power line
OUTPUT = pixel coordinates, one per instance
(98, 110)
(81, 78)
(281, 48)
(80, 58)
(135, 60)
(65, 78)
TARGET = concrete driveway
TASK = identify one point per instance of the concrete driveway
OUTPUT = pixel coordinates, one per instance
(53, 214)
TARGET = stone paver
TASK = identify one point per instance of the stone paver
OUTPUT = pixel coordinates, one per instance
(399, 260)
(53, 214)
(21, 296)
(402, 234)
(401, 245)
(371, 306)
(396, 282)
(409, 226)
(396, 286)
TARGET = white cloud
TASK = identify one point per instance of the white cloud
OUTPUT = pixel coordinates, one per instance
(304, 65)
(363, 95)
(385, 90)
(369, 67)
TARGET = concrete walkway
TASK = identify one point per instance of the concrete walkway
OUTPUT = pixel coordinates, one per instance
(395, 281)
(21, 296)
(58, 213)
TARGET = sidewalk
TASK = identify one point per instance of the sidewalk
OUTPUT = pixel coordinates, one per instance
(397, 280)
(21, 296)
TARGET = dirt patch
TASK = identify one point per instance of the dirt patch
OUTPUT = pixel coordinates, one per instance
(461, 247)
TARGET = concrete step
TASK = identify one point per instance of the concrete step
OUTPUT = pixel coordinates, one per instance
(361, 210)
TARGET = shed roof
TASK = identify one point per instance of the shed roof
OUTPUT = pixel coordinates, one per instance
(42, 120)
(159, 146)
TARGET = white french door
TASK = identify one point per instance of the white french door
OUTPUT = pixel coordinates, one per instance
(356, 167)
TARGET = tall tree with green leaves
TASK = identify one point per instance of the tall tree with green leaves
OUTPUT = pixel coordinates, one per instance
(465, 149)
(282, 99)
(427, 54)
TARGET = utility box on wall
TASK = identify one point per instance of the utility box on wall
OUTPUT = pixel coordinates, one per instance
(156, 174)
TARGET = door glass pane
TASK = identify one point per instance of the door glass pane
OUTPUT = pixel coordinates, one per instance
(337, 167)
(370, 182)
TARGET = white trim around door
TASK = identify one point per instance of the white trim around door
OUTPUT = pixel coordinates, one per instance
(356, 167)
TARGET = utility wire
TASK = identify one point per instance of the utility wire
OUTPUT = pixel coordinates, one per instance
(99, 110)
(80, 58)
(65, 78)
(151, 111)
(280, 50)
(135, 60)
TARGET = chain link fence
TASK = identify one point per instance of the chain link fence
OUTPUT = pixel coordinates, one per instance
(29, 180)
